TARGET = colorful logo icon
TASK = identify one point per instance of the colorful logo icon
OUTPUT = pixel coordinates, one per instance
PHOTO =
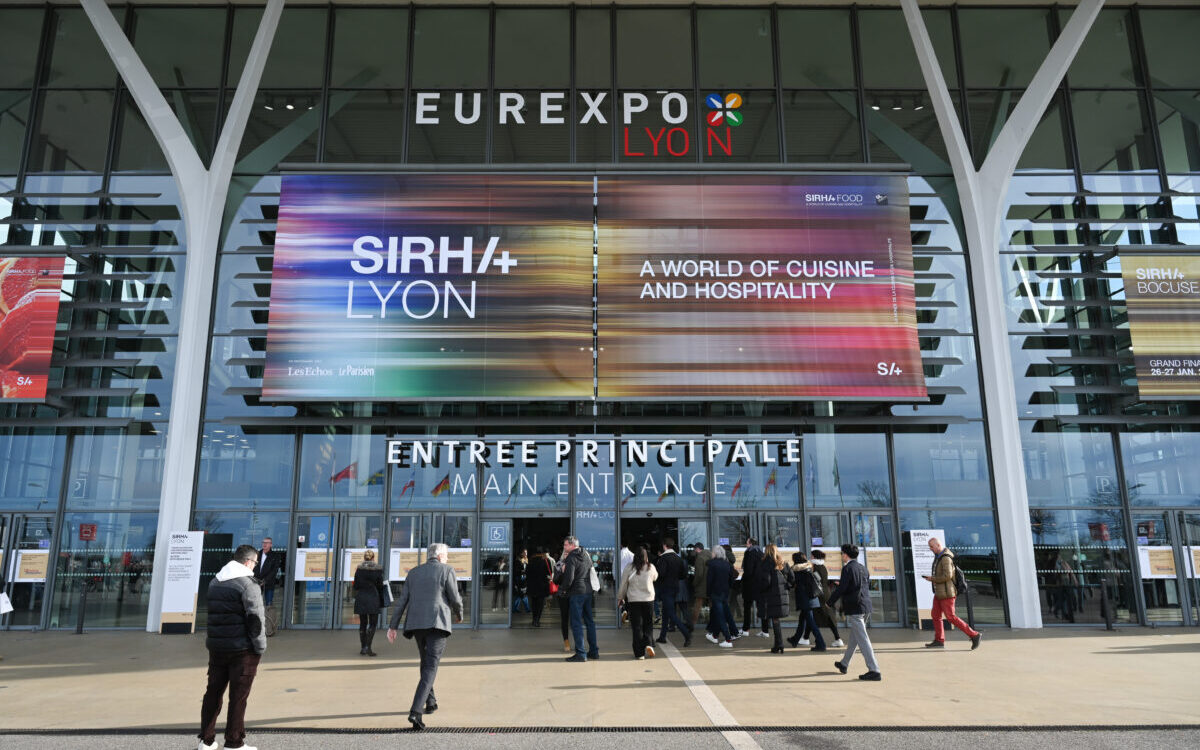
(724, 110)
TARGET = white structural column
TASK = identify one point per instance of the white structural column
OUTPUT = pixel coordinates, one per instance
(202, 194)
(982, 194)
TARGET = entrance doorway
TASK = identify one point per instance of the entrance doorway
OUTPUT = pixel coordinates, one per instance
(1166, 564)
(532, 535)
(328, 547)
(25, 556)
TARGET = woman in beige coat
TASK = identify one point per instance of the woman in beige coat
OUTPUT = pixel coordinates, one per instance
(637, 594)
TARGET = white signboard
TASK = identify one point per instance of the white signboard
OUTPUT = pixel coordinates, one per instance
(833, 560)
(182, 581)
(352, 557)
(1157, 562)
(403, 559)
(922, 559)
(31, 566)
(881, 563)
(312, 564)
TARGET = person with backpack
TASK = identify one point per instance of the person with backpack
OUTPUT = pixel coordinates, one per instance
(808, 599)
(948, 582)
(671, 570)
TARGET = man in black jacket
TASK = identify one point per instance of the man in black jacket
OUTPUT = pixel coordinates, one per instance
(752, 591)
(855, 594)
(573, 575)
(236, 643)
(671, 570)
(267, 570)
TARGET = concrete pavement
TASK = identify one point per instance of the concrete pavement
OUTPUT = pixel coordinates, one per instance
(139, 683)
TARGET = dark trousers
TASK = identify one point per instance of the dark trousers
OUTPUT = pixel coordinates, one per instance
(539, 603)
(720, 619)
(235, 670)
(749, 602)
(671, 615)
(564, 615)
(581, 615)
(431, 644)
(641, 621)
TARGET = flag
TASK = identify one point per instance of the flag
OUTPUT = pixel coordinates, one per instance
(375, 479)
(788, 484)
(628, 497)
(736, 487)
(512, 489)
(837, 477)
(442, 486)
(411, 484)
(668, 492)
(350, 472)
(549, 490)
(771, 482)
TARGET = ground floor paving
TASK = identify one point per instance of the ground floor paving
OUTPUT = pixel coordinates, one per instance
(137, 683)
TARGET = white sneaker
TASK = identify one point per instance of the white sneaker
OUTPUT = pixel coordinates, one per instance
(838, 643)
(725, 644)
(212, 746)
(802, 642)
(711, 638)
(763, 634)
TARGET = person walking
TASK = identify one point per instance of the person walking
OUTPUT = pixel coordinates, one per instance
(370, 597)
(671, 570)
(521, 582)
(856, 603)
(236, 643)
(945, 592)
(637, 594)
(538, 575)
(777, 605)
(823, 616)
(699, 583)
(575, 580)
(808, 599)
(751, 586)
(430, 599)
(719, 577)
(267, 570)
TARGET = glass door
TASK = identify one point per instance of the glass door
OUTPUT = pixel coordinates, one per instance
(357, 533)
(495, 572)
(408, 538)
(1158, 567)
(875, 536)
(458, 533)
(1189, 527)
(27, 568)
(313, 567)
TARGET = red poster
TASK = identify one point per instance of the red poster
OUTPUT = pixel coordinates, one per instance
(29, 290)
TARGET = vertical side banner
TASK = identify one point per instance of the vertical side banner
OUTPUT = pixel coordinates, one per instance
(406, 286)
(183, 582)
(29, 292)
(922, 560)
(1162, 293)
(758, 286)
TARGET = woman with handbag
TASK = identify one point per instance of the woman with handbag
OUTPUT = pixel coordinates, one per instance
(538, 577)
(370, 597)
(808, 599)
(778, 578)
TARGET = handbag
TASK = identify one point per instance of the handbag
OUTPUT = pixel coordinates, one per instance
(386, 598)
(550, 575)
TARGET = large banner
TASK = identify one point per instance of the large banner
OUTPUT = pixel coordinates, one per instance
(29, 292)
(431, 286)
(1162, 293)
(769, 286)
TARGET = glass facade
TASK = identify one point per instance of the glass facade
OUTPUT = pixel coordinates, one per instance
(1113, 168)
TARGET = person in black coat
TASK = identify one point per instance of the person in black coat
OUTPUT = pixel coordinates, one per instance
(671, 570)
(823, 616)
(369, 600)
(752, 585)
(777, 579)
(854, 592)
(808, 599)
(538, 576)
(267, 570)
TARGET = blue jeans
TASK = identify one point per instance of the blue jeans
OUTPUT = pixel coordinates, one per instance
(671, 615)
(581, 614)
(268, 595)
(720, 618)
(809, 622)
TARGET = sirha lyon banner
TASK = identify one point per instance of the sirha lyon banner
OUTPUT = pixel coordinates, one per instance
(29, 292)
(431, 286)
(768, 286)
(1162, 293)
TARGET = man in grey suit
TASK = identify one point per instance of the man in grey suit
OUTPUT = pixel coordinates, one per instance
(431, 598)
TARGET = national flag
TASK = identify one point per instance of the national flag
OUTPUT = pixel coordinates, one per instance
(442, 486)
(810, 471)
(548, 490)
(350, 472)
(788, 484)
(628, 497)
(736, 487)
(511, 490)
(771, 481)
(411, 484)
(667, 492)
(374, 480)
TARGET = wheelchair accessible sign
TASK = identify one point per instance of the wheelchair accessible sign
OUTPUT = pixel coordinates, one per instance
(497, 533)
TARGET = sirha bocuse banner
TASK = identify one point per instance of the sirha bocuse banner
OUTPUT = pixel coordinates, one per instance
(29, 292)
(431, 286)
(756, 286)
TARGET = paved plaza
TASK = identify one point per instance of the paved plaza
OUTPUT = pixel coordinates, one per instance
(146, 689)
